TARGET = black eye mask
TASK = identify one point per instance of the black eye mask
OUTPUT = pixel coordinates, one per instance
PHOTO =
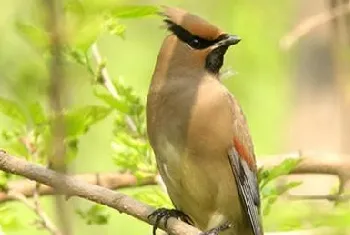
(215, 58)
(193, 41)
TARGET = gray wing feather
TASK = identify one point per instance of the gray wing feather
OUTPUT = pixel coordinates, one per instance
(248, 190)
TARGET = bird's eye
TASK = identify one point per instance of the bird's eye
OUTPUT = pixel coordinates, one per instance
(195, 43)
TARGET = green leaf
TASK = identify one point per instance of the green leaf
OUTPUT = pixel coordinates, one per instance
(75, 55)
(270, 194)
(133, 154)
(74, 6)
(79, 56)
(3, 180)
(94, 215)
(12, 110)
(267, 206)
(37, 113)
(127, 94)
(134, 11)
(114, 27)
(273, 190)
(14, 142)
(9, 219)
(289, 186)
(72, 149)
(113, 102)
(87, 33)
(153, 196)
(79, 121)
(36, 36)
(16, 148)
(266, 176)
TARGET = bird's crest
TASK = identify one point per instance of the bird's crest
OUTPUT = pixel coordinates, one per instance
(180, 20)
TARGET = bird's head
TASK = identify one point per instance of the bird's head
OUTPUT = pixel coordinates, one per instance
(194, 44)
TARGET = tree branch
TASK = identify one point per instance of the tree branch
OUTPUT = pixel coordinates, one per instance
(316, 163)
(112, 180)
(71, 186)
(311, 23)
(74, 186)
(312, 163)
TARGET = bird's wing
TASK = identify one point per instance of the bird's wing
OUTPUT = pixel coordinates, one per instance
(242, 160)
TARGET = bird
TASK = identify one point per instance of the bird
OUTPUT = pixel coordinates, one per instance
(199, 133)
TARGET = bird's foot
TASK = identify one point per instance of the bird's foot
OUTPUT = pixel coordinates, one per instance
(217, 230)
(166, 214)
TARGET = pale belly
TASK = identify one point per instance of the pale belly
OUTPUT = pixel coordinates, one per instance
(202, 188)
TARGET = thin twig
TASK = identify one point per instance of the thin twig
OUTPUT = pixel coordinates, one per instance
(107, 82)
(44, 220)
(106, 79)
(311, 23)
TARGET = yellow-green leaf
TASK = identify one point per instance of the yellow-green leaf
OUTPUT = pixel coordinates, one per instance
(12, 110)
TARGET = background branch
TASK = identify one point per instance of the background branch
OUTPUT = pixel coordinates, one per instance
(55, 27)
(312, 163)
(311, 23)
(112, 180)
(316, 163)
(329, 197)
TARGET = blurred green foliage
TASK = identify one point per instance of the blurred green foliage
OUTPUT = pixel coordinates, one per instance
(105, 132)
(268, 191)
(94, 215)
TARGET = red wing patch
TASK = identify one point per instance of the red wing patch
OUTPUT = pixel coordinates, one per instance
(243, 153)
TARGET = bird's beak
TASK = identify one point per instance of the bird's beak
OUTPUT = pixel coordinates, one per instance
(229, 40)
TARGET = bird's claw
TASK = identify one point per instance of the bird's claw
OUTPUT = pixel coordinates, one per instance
(166, 214)
(217, 230)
